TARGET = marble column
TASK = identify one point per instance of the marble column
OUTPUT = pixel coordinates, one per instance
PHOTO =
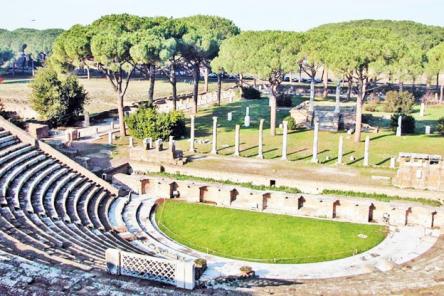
(237, 141)
(340, 149)
(172, 145)
(399, 128)
(110, 138)
(422, 110)
(260, 153)
(247, 118)
(338, 98)
(366, 150)
(86, 121)
(214, 142)
(131, 142)
(315, 142)
(284, 140)
(193, 118)
(312, 96)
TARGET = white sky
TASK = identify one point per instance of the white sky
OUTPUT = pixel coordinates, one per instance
(248, 14)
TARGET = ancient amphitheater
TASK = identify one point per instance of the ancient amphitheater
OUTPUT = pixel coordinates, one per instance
(63, 230)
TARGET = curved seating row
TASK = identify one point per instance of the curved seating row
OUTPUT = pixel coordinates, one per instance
(58, 214)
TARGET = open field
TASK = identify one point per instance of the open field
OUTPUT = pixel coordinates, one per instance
(262, 237)
(101, 94)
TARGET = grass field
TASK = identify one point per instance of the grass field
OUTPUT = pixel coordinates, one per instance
(384, 145)
(101, 94)
(262, 237)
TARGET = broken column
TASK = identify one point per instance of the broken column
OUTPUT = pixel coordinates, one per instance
(312, 95)
(131, 142)
(366, 150)
(392, 162)
(230, 116)
(159, 145)
(247, 118)
(172, 145)
(214, 142)
(260, 153)
(110, 138)
(192, 133)
(315, 142)
(422, 110)
(338, 98)
(399, 128)
(237, 141)
(86, 121)
(284, 139)
(340, 149)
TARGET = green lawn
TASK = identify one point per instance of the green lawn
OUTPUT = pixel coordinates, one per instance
(263, 237)
(383, 145)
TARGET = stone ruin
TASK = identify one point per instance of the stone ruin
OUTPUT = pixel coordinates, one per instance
(154, 152)
(420, 171)
(329, 117)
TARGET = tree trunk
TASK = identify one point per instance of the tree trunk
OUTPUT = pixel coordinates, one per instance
(120, 109)
(325, 78)
(196, 77)
(437, 82)
(152, 78)
(219, 88)
(441, 94)
(173, 81)
(349, 90)
(359, 103)
(206, 73)
(273, 109)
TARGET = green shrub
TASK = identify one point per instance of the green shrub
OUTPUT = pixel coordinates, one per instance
(372, 104)
(250, 93)
(291, 123)
(56, 100)
(398, 102)
(440, 126)
(408, 123)
(146, 122)
(284, 100)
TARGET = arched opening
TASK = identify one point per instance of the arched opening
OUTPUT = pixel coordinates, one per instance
(233, 195)
(335, 205)
(301, 201)
(202, 193)
(371, 209)
(433, 219)
(407, 213)
(265, 199)
(174, 192)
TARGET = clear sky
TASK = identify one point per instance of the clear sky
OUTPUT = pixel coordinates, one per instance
(248, 14)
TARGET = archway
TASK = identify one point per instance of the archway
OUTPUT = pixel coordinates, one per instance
(301, 201)
(335, 205)
(371, 209)
(407, 213)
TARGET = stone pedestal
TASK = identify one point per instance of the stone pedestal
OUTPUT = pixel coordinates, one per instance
(86, 121)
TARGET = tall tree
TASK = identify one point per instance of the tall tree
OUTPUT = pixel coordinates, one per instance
(266, 55)
(201, 44)
(364, 53)
(435, 64)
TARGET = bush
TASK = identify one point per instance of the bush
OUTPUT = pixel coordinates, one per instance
(372, 104)
(399, 102)
(58, 101)
(284, 100)
(440, 126)
(250, 93)
(148, 123)
(408, 123)
(291, 123)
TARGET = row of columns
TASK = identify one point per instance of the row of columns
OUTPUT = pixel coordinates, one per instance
(315, 148)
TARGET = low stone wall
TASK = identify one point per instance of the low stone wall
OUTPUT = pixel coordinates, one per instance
(420, 174)
(26, 138)
(316, 206)
(178, 273)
